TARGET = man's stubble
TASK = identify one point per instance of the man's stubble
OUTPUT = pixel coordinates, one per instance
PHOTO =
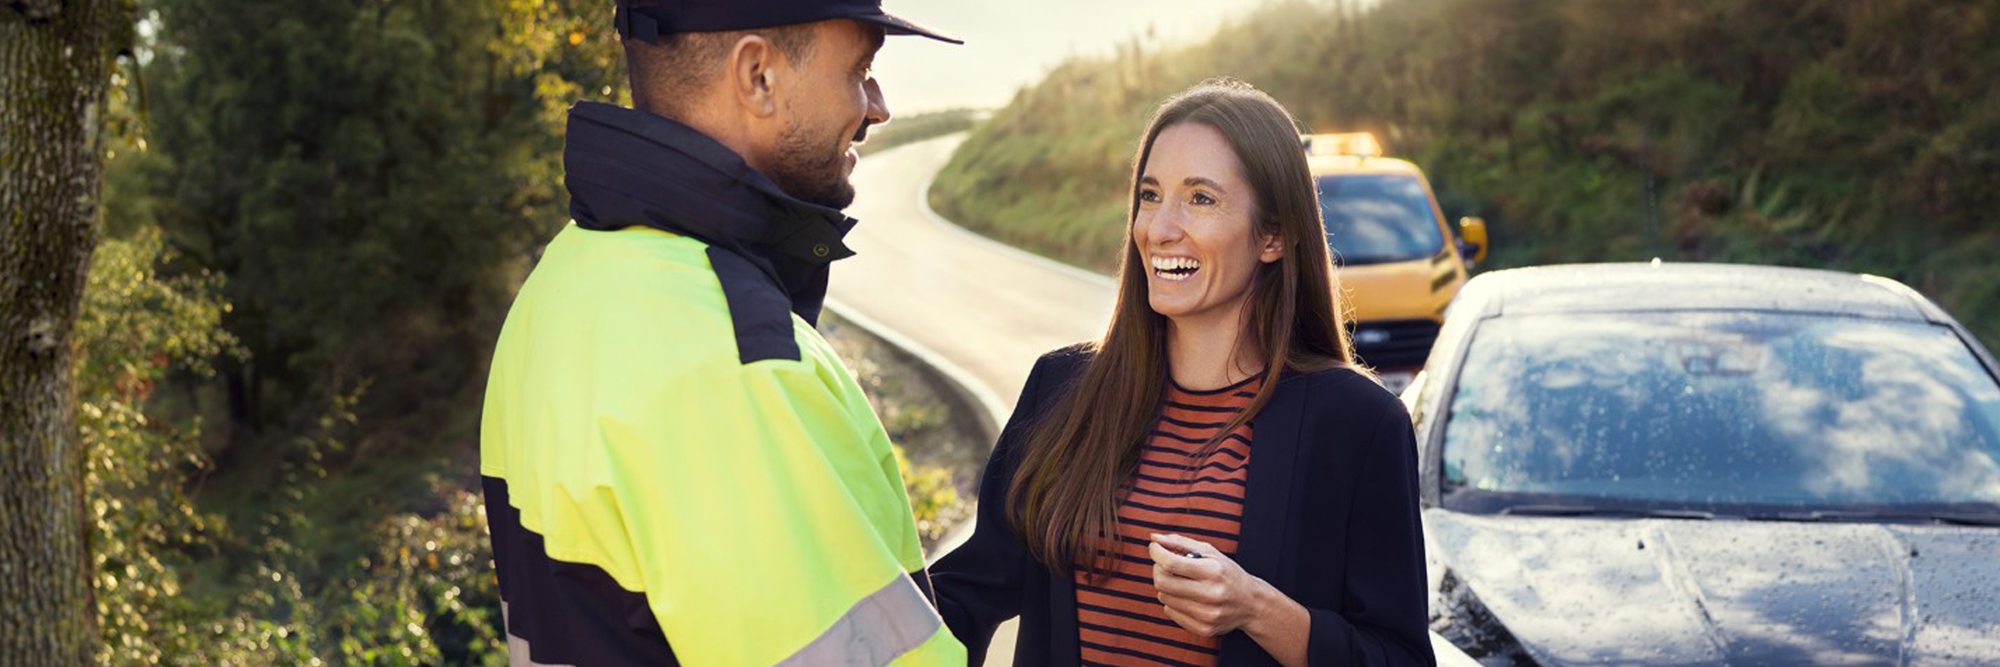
(812, 168)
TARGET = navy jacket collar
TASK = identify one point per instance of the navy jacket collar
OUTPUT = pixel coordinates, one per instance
(627, 167)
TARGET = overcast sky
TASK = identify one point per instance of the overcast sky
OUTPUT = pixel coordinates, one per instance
(1012, 43)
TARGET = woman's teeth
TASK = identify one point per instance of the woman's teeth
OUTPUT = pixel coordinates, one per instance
(1175, 268)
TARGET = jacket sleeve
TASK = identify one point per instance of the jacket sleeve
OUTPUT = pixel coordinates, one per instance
(979, 584)
(776, 527)
(1382, 619)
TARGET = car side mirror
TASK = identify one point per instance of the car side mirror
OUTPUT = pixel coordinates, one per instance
(1472, 231)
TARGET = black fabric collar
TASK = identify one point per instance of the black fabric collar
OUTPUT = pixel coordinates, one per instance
(627, 167)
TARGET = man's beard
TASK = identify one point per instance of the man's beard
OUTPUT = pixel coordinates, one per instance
(811, 169)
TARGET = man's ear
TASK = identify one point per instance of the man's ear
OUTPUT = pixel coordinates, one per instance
(752, 75)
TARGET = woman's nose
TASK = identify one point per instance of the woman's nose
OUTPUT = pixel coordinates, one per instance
(1167, 224)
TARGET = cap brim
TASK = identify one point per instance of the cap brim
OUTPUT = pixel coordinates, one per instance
(897, 26)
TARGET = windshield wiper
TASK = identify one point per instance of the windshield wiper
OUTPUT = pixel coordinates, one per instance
(1953, 518)
(1587, 510)
(1365, 260)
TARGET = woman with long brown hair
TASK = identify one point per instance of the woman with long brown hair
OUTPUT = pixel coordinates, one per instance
(1215, 482)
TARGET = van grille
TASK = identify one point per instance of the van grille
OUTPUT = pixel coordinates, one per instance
(1394, 344)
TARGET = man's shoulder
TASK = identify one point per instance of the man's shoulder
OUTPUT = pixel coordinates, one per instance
(636, 284)
(637, 256)
(657, 288)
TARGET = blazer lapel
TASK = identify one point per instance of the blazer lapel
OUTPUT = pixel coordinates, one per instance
(1266, 533)
(1274, 450)
(1064, 645)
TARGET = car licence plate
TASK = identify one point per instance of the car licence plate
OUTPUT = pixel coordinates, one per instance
(1397, 381)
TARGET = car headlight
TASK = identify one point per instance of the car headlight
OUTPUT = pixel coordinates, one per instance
(1459, 618)
(1449, 655)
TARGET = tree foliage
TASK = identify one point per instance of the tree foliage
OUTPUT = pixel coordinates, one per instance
(368, 173)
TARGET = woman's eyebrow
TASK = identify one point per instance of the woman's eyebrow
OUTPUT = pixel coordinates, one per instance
(1199, 180)
(1148, 180)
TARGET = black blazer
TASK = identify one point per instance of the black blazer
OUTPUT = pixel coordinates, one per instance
(1329, 518)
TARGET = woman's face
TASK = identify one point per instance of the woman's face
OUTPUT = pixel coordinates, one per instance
(1194, 228)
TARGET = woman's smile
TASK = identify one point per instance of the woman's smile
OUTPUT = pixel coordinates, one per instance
(1175, 268)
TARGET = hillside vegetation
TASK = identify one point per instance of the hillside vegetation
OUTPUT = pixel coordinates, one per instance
(1860, 135)
(902, 130)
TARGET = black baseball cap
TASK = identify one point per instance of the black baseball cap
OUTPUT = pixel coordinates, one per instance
(646, 20)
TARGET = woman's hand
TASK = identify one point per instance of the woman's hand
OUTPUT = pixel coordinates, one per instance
(1203, 590)
(1210, 595)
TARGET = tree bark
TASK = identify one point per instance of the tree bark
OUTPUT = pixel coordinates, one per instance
(55, 62)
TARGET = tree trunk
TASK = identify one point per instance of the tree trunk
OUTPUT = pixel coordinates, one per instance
(55, 61)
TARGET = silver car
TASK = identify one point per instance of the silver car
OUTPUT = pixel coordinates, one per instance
(1697, 464)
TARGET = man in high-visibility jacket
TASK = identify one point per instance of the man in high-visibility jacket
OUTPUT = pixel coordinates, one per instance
(678, 470)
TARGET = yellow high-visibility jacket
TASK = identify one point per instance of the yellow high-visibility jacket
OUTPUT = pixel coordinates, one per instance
(679, 470)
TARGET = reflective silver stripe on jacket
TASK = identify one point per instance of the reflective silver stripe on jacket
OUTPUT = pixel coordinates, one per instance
(875, 631)
(517, 648)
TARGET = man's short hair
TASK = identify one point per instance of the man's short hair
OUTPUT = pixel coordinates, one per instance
(664, 75)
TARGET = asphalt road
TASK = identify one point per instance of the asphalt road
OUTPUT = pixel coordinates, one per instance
(987, 308)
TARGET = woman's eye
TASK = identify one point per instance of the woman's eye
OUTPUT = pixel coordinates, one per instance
(1203, 199)
(1149, 196)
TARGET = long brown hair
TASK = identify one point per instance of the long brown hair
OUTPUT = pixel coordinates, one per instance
(1081, 456)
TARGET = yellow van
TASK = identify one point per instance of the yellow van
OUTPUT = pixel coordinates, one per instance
(1400, 264)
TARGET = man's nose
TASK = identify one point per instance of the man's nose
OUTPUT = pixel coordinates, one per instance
(878, 108)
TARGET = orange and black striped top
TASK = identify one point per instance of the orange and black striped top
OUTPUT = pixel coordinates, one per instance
(1119, 617)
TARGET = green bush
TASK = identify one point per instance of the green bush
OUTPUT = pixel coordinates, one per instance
(134, 328)
(176, 584)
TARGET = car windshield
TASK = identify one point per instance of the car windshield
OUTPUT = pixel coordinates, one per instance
(1378, 218)
(1721, 411)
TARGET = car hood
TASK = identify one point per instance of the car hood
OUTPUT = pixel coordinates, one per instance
(1601, 591)
(1406, 290)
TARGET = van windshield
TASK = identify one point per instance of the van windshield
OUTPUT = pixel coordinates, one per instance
(1378, 218)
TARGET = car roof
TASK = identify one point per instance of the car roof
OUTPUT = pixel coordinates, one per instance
(1572, 288)
(1331, 165)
